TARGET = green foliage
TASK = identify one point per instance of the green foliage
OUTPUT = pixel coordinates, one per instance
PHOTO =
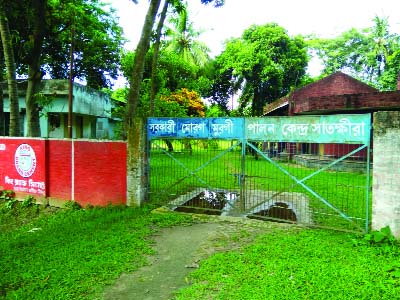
(14, 213)
(182, 38)
(97, 39)
(11, 203)
(73, 205)
(173, 75)
(382, 239)
(73, 254)
(369, 54)
(7, 195)
(291, 264)
(44, 102)
(266, 60)
(28, 201)
(215, 111)
(383, 236)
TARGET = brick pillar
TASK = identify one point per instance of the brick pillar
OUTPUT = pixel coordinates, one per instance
(386, 171)
(136, 159)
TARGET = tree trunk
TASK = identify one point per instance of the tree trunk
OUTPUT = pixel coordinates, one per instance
(169, 146)
(2, 117)
(34, 72)
(138, 64)
(11, 74)
(154, 81)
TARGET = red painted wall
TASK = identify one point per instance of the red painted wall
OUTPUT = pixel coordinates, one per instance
(89, 172)
(23, 167)
(59, 158)
(100, 167)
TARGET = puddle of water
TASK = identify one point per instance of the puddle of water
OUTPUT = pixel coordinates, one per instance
(208, 202)
(222, 202)
(278, 211)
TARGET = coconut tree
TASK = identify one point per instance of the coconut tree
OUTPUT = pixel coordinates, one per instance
(183, 39)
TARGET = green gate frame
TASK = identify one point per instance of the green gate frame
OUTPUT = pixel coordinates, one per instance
(343, 129)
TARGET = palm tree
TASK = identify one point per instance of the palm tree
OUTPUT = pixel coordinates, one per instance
(183, 39)
(11, 73)
(382, 39)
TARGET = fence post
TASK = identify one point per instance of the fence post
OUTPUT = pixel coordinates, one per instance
(136, 158)
(386, 171)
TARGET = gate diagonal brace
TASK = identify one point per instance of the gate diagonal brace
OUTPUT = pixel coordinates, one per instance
(300, 181)
(193, 172)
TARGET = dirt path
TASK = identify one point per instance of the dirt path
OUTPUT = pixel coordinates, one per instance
(179, 251)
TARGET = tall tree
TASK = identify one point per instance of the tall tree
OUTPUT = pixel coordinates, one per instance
(97, 41)
(43, 28)
(38, 13)
(156, 46)
(138, 64)
(2, 117)
(11, 72)
(224, 88)
(183, 39)
(363, 53)
(267, 60)
(140, 53)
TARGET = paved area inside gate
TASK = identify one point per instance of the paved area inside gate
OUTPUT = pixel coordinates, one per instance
(255, 201)
(180, 250)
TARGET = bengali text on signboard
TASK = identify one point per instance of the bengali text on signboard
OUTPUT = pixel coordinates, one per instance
(321, 129)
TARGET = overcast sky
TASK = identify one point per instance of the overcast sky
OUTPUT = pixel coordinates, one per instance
(297, 16)
(319, 17)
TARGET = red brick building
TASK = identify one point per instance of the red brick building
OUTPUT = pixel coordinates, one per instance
(334, 94)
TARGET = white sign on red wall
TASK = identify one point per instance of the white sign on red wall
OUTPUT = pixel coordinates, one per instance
(23, 166)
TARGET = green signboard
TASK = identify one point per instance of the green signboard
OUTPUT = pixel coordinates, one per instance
(321, 129)
(353, 129)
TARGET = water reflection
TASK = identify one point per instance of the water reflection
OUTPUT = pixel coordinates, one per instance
(208, 202)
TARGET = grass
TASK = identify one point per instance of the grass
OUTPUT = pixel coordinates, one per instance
(74, 253)
(69, 253)
(305, 264)
(187, 170)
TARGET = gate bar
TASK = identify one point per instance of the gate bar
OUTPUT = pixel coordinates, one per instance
(300, 182)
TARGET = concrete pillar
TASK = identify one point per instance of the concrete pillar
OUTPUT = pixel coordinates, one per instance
(136, 160)
(386, 171)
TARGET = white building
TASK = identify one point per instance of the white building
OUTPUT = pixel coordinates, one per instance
(91, 111)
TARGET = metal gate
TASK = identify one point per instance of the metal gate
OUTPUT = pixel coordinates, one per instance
(313, 170)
